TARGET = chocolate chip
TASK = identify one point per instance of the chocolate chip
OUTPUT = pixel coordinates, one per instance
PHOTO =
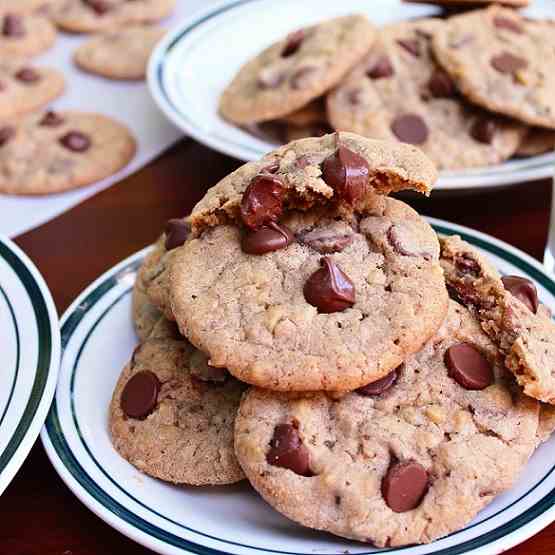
(329, 289)
(404, 486)
(483, 130)
(51, 119)
(304, 76)
(347, 173)
(466, 265)
(379, 386)
(468, 366)
(523, 289)
(177, 232)
(382, 68)
(326, 241)
(288, 451)
(13, 26)
(262, 201)
(99, 7)
(410, 128)
(441, 85)
(507, 23)
(27, 75)
(268, 238)
(76, 141)
(412, 46)
(6, 133)
(293, 43)
(140, 395)
(508, 63)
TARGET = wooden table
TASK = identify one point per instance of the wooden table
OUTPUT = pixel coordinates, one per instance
(40, 516)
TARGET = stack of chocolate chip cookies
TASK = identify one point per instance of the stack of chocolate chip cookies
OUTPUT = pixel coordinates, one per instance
(304, 330)
(471, 90)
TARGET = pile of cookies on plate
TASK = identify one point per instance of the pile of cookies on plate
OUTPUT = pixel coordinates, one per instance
(470, 90)
(306, 331)
(44, 152)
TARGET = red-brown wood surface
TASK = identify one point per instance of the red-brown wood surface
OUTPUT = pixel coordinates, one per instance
(40, 516)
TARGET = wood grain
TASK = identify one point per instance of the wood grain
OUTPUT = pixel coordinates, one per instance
(40, 516)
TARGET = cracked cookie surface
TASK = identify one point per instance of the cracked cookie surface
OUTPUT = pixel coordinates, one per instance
(185, 435)
(399, 93)
(469, 446)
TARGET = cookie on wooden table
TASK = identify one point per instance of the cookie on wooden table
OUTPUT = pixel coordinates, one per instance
(91, 16)
(120, 54)
(398, 92)
(172, 415)
(25, 88)
(296, 70)
(502, 61)
(402, 461)
(24, 35)
(53, 152)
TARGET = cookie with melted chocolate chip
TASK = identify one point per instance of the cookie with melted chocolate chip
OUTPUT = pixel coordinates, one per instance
(172, 415)
(404, 464)
(399, 92)
(501, 61)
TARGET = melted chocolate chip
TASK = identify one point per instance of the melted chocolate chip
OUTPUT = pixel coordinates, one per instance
(177, 232)
(99, 7)
(268, 238)
(6, 133)
(412, 46)
(51, 119)
(404, 486)
(27, 75)
(262, 201)
(466, 265)
(326, 241)
(288, 451)
(76, 141)
(410, 128)
(508, 63)
(381, 69)
(483, 130)
(140, 395)
(468, 366)
(12, 26)
(329, 289)
(379, 386)
(441, 85)
(523, 289)
(507, 23)
(347, 173)
(293, 43)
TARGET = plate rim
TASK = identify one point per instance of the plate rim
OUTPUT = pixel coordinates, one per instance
(48, 360)
(535, 518)
(469, 180)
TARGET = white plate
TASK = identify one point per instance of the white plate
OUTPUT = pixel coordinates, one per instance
(193, 64)
(98, 339)
(30, 343)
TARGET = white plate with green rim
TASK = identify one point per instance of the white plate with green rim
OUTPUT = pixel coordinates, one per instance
(30, 357)
(97, 341)
(193, 64)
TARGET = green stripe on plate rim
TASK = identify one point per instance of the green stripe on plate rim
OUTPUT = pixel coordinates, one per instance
(18, 352)
(45, 351)
(56, 436)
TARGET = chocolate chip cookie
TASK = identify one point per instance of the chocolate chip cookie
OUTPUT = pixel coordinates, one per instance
(121, 54)
(26, 6)
(292, 72)
(91, 16)
(24, 35)
(25, 88)
(398, 92)
(501, 60)
(172, 415)
(473, 3)
(405, 461)
(53, 152)
(311, 280)
(510, 313)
